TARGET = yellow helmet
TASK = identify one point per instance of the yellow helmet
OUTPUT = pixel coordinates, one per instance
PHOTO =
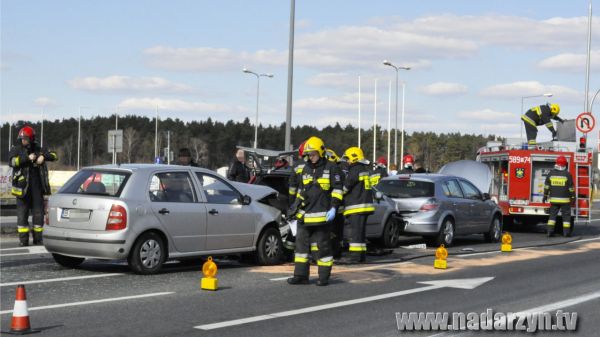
(353, 155)
(331, 156)
(314, 144)
(554, 109)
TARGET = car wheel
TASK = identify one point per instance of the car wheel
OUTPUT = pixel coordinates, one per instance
(148, 254)
(269, 249)
(495, 231)
(391, 234)
(446, 234)
(68, 261)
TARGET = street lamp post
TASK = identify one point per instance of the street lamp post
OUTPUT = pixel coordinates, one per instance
(79, 135)
(258, 76)
(388, 63)
(548, 94)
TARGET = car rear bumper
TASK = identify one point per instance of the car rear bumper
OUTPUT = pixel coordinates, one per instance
(427, 226)
(104, 245)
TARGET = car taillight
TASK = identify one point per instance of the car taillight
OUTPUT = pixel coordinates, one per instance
(117, 218)
(429, 205)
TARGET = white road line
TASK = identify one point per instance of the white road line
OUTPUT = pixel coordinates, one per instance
(312, 309)
(31, 251)
(475, 254)
(72, 304)
(280, 278)
(585, 240)
(543, 308)
(59, 279)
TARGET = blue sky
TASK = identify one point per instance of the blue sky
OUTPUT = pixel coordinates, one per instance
(471, 60)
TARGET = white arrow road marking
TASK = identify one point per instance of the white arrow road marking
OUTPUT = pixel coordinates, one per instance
(31, 251)
(543, 308)
(72, 304)
(457, 283)
(59, 279)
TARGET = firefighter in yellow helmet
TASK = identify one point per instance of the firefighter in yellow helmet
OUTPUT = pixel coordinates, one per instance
(337, 230)
(540, 115)
(293, 202)
(358, 202)
(320, 192)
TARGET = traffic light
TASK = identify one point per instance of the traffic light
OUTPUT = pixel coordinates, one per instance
(582, 143)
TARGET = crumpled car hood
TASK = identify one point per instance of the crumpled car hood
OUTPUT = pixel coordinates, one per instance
(256, 192)
(477, 173)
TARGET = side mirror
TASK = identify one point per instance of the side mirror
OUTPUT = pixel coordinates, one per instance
(378, 195)
(245, 200)
(486, 196)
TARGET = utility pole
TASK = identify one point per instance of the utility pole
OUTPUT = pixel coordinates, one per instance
(288, 110)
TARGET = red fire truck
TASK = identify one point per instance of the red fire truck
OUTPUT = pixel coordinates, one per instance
(519, 175)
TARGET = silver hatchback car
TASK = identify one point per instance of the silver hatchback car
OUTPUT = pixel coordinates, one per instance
(437, 207)
(148, 213)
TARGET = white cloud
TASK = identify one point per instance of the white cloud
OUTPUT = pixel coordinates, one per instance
(21, 116)
(209, 59)
(117, 83)
(325, 103)
(488, 115)
(571, 62)
(302, 24)
(516, 90)
(45, 102)
(443, 89)
(148, 103)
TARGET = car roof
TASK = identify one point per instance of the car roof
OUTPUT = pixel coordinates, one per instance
(432, 177)
(145, 167)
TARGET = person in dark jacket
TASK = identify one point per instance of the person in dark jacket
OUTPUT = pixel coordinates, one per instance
(419, 167)
(559, 191)
(238, 171)
(380, 170)
(29, 183)
(185, 158)
(293, 203)
(321, 194)
(537, 116)
(358, 202)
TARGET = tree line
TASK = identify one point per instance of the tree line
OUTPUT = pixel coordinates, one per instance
(212, 143)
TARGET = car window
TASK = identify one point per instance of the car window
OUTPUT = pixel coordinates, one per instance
(96, 182)
(216, 190)
(405, 188)
(452, 189)
(470, 191)
(171, 187)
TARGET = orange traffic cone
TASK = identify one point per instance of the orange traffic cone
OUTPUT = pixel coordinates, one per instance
(20, 320)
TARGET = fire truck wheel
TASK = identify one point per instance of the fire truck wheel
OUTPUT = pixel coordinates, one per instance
(495, 231)
(445, 235)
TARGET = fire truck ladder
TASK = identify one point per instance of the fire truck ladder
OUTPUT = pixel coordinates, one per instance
(583, 191)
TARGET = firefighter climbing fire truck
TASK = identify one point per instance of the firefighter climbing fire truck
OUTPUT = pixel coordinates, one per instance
(519, 175)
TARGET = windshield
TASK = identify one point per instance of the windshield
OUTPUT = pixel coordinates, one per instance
(406, 188)
(95, 182)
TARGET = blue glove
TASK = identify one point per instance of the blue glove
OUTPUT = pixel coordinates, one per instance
(330, 214)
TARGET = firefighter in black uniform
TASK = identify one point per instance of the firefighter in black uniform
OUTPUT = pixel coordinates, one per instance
(29, 183)
(379, 171)
(407, 165)
(337, 232)
(540, 115)
(559, 191)
(358, 202)
(320, 193)
(293, 183)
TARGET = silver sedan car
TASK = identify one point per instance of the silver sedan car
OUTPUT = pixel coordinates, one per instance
(435, 206)
(147, 214)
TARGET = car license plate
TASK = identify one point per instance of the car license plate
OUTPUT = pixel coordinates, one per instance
(66, 213)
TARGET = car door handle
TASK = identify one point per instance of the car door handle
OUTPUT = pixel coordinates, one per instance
(213, 212)
(164, 211)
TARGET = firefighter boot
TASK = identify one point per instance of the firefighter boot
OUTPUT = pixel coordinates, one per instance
(300, 273)
(37, 238)
(324, 274)
(567, 229)
(24, 239)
